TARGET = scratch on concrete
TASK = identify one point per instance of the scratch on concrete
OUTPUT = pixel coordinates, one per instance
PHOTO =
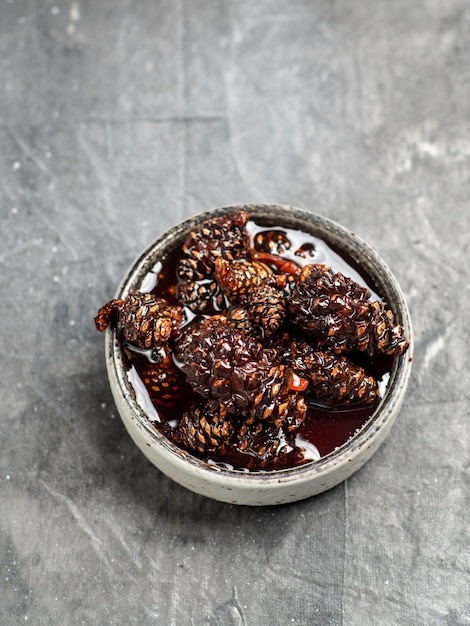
(80, 519)
(27, 245)
(164, 118)
(100, 172)
(115, 530)
(433, 349)
(28, 153)
(56, 232)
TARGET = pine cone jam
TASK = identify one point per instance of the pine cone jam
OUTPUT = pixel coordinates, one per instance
(259, 347)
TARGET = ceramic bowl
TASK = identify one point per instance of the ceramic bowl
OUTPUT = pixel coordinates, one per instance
(263, 487)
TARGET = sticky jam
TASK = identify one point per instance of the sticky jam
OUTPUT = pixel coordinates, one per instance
(325, 428)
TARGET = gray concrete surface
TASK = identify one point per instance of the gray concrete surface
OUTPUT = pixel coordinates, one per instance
(118, 119)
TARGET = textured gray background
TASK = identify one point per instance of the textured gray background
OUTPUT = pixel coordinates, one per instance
(119, 118)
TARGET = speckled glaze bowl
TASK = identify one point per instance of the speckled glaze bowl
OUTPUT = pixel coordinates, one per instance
(263, 487)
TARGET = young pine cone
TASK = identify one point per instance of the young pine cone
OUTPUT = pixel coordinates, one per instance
(163, 380)
(267, 308)
(238, 278)
(220, 237)
(266, 446)
(204, 428)
(264, 314)
(144, 320)
(240, 320)
(201, 296)
(338, 312)
(331, 377)
(235, 370)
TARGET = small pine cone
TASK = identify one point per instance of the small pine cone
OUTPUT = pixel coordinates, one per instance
(238, 278)
(272, 241)
(203, 296)
(335, 378)
(338, 380)
(267, 307)
(331, 377)
(144, 320)
(384, 336)
(266, 446)
(220, 237)
(338, 311)
(107, 313)
(240, 320)
(234, 369)
(279, 401)
(162, 380)
(204, 428)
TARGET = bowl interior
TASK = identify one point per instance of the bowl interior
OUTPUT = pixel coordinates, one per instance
(359, 255)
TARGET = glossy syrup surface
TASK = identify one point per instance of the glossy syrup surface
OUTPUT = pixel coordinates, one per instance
(325, 428)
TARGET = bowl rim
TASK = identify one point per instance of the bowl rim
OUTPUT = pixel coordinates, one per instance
(334, 234)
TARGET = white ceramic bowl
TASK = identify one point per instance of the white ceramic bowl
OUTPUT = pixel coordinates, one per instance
(263, 487)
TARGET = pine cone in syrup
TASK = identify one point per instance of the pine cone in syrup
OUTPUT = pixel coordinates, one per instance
(265, 445)
(204, 428)
(162, 379)
(234, 369)
(201, 296)
(331, 377)
(238, 278)
(264, 311)
(240, 320)
(220, 237)
(267, 308)
(144, 320)
(223, 237)
(338, 312)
